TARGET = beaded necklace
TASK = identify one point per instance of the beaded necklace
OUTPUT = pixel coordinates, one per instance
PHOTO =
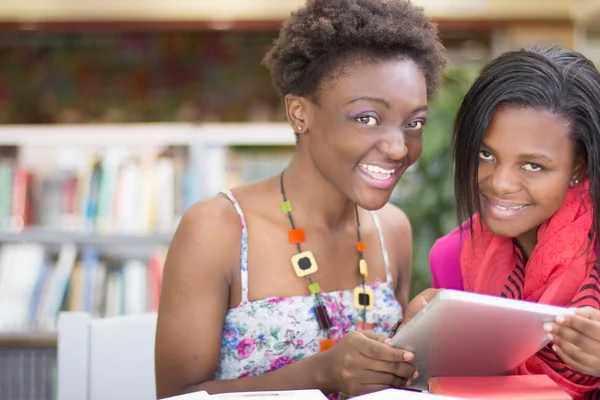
(305, 265)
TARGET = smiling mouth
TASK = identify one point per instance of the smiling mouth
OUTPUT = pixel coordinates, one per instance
(511, 208)
(504, 209)
(377, 172)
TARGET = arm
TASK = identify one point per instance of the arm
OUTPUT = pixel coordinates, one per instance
(195, 298)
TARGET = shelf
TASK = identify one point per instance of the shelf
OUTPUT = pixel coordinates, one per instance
(148, 134)
(586, 13)
(29, 339)
(46, 236)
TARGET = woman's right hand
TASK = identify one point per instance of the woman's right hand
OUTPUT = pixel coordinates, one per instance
(363, 362)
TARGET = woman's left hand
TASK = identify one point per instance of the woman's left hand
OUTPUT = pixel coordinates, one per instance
(576, 339)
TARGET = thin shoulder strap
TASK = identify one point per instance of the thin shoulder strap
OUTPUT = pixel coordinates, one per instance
(244, 247)
(386, 260)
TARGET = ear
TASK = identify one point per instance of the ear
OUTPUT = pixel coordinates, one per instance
(296, 112)
(579, 170)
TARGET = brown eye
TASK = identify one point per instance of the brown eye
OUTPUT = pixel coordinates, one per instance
(415, 124)
(368, 120)
(485, 155)
(531, 167)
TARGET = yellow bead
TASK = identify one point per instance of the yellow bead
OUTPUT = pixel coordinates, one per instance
(304, 263)
(363, 298)
(362, 268)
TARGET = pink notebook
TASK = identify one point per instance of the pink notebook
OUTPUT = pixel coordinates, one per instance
(511, 387)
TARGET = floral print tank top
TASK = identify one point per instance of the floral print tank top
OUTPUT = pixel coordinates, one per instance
(263, 335)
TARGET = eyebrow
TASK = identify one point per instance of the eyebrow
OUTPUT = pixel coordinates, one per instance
(419, 109)
(527, 156)
(536, 156)
(384, 102)
(369, 98)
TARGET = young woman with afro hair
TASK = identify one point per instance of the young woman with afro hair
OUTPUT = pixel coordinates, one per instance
(294, 282)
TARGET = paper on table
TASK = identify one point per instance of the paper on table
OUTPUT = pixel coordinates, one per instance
(392, 394)
(190, 396)
(286, 394)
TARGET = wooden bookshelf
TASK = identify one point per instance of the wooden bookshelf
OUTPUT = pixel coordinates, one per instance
(28, 339)
(48, 236)
(151, 134)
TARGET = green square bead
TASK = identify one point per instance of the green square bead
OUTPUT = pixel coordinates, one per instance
(314, 288)
(286, 207)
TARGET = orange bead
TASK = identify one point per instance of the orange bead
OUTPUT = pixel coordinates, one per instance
(364, 326)
(326, 344)
(361, 246)
(296, 236)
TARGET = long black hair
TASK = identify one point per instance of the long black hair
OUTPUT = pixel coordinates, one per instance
(558, 80)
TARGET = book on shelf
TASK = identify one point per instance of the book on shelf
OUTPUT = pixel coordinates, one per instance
(125, 191)
(121, 191)
(36, 285)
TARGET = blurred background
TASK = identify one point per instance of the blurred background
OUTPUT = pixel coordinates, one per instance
(116, 115)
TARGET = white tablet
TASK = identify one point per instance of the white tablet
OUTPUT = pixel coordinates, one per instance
(467, 334)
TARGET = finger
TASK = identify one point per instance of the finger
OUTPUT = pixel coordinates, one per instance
(383, 379)
(429, 294)
(580, 323)
(370, 381)
(401, 369)
(395, 327)
(375, 336)
(557, 333)
(577, 360)
(588, 312)
(376, 347)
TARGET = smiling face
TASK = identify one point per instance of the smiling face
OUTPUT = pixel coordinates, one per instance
(367, 128)
(526, 165)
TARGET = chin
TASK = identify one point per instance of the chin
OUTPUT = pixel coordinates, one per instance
(374, 201)
(503, 228)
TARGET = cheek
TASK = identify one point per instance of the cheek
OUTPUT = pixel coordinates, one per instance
(415, 148)
(549, 193)
(483, 172)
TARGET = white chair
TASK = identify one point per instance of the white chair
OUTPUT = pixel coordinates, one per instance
(106, 359)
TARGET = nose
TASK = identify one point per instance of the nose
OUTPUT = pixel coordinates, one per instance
(504, 180)
(394, 146)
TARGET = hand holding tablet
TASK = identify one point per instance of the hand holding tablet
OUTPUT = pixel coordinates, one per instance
(468, 334)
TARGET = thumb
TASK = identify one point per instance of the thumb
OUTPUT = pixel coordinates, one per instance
(429, 294)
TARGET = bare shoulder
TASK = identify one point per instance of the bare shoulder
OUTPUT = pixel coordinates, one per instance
(215, 212)
(203, 242)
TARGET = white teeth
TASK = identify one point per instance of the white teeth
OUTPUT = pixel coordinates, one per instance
(509, 208)
(375, 168)
(376, 172)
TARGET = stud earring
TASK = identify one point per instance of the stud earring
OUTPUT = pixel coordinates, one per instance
(574, 182)
(299, 129)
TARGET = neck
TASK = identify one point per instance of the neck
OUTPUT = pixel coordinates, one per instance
(313, 196)
(526, 242)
